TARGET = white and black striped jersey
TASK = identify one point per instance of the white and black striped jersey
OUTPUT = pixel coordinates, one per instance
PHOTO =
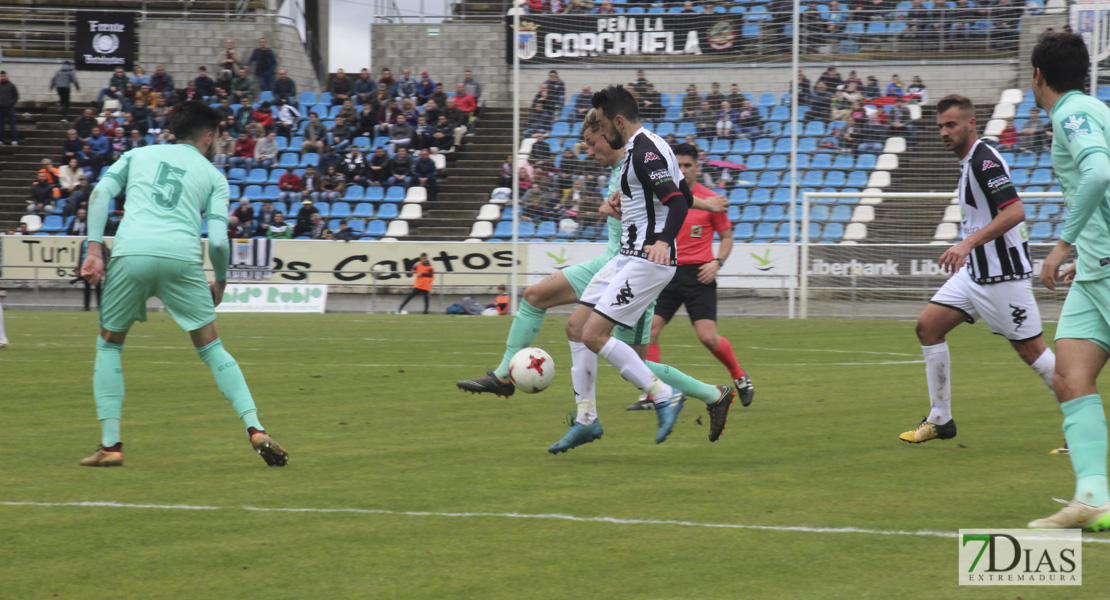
(650, 178)
(985, 188)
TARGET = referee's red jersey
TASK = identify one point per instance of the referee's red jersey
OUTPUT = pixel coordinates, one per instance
(695, 241)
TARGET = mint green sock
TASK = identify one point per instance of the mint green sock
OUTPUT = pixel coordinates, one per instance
(684, 383)
(230, 380)
(525, 328)
(108, 390)
(1085, 431)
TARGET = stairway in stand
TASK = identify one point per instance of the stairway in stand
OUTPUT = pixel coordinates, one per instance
(40, 136)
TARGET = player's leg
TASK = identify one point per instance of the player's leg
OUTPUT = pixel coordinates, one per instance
(661, 313)
(554, 290)
(721, 348)
(585, 426)
(411, 295)
(427, 295)
(3, 333)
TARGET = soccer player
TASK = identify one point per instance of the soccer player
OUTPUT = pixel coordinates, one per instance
(990, 270)
(425, 274)
(157, 252)
(654, 203)
(567, 285)
(3, 334)
(695, 281)
(1081, 159)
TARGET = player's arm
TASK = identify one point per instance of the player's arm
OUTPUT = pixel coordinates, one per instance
(713, 204)
(111, 184)
(219, 248)
(1087, 145)
(657, 175)
(1003, 197)
(707, 273)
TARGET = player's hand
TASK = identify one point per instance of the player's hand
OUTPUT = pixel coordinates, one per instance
(1068, 275)
(954, 258)
(659, 253)
(1050, 270)
(217, 288)
(92, 270)
(707, 273)
(713, 204)
(614, 203)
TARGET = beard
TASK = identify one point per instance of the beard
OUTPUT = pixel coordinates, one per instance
(615, 142)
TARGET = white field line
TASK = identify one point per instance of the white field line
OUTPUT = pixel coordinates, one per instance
(469, 365)
(546, 517)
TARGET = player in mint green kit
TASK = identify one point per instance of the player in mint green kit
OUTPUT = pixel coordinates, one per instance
(1081, 159)
(157, 252)
(567, 286)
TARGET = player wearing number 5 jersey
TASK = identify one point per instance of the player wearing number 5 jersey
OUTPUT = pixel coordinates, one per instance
(157, 253)
(990, 269)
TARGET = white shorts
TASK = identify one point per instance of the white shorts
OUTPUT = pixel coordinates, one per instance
(624, 288)
(1008, 307)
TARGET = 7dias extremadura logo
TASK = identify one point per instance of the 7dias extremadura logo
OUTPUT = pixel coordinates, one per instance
(1021, 557)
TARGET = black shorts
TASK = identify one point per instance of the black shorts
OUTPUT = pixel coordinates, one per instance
(700, 298)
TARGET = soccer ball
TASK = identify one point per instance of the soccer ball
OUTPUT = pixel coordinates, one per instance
(531, 370)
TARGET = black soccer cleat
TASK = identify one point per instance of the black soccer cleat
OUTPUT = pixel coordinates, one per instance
(489, 384)
(718, 412)
(745, 390)
(644, 403)
(928, 431)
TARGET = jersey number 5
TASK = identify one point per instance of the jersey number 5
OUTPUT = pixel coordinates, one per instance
(168, 183)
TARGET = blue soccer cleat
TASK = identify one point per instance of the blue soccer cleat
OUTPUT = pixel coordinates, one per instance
(579, 434)
(667, 413)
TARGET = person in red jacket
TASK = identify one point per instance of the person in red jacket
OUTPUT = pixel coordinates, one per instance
(290, 186)
(465, 102)
(244, 153)
(264, 116)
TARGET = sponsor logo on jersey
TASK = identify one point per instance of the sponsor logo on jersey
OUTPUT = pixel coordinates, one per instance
(660, 176)
(695, 231)
(625, 295)
(1077, 125)
(999, 182)
(1018, 315)
(989, 164)
(650, 156)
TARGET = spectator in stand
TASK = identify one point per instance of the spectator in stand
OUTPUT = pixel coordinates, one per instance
(315, 135)
(188, 94)
(310, 185)
(405, 87)
(332, 184)
(691, 102)
(1008, 139)
(43, 193)
(340, 87)
(831, 78)
(328, 159)
(870, 91)
(387, 79)
(245, 213)
(304, 218)
(804, 89)
(443, 135)
(872, 135)
(472, 86)
(78, 197)
(400, 133)
(780, 12)
(266, 151)
(541, 155)
(845, 100)
(243, 114)
(364, 88)
(423, 134)
(222, 86)
(319, 230)
(705, 120)
(235, 229)
(225, 148)
(834, 21)
(225, 108)
(727, 120)
(9, 95)
(161, 82)
(69, 177)
(582, 104)
(340, 135)
(377, 168)
(53, 175)
(242, 87)
(265, 65)
(1030, 139)
(651, 104)
(398, 169)
(287, 116)
(290, 186)
(146, 94)
(139, 77)
(570, 169)
(63, 79)
(229, 59)
(244, 153)
(134, 140)
(900, 122)
(87, 160)
(279, 229)
(101, 148)
(80, 224)
(353, 167)
(114, 90)
(72, 144)
(424, 173)
(1005, 19)
(264, 218)
(960, 19)
(895, 87)
(538, 120)
(141, 115)
(284, 88)
(916, 91)
(606, 8)
(640, 84)
(348, 112)
(535, 7)
(425, 89)
(387, 115)
(715, 97)
(819, 103)
(264, 116)
(432, 112)
(458, 120)
(556, 88)
(160, 114)
(506, 177)
(922, 23)
(440, 96)
(345, 233)
(466, 103)
(543, 97)
(206, 87)
(366, 121)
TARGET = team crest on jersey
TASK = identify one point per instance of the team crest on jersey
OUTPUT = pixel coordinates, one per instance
(1077, 125)
(989, 164)
(650, 156)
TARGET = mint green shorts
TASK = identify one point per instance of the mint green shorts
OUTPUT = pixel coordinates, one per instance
(579, 277)
(1086, 313)
(180, 285)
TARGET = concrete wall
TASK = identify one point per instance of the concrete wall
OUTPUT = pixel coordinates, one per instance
(479, 47)
(181, 48)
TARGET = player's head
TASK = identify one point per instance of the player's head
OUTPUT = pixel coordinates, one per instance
(617, 113)
(1060, 64)
(687, 156)
(196, 123)
(956, 122)
(596, 144)
(424, 257)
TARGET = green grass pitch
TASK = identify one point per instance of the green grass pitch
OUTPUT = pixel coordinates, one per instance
(368, 409)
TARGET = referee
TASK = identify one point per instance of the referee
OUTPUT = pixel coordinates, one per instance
(695, 281)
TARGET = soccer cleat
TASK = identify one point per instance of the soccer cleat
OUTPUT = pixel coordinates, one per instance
(1076, 515)
(666, 413)
(490, 383)
(1061, 450)
(3, 342)
(103, 458)
(745, 390)
(577, 435)
(928, 431)
(644, 403)
(718, 412)
(269, 450)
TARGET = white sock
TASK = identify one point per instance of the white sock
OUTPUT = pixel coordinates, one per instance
(583, 375)
(3, 336)
(633, 368)
(938, 371)
(1045, 366)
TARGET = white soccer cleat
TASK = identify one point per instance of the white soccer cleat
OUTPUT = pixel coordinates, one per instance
(1076, 515)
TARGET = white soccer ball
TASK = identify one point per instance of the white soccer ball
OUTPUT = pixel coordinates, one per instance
(531, 370)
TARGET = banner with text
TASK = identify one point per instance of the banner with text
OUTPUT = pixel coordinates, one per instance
(104, 41)
(274, 298)
(749, 265)
(624, 38)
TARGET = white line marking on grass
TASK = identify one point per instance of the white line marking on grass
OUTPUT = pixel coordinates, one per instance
(542, 516)
(829, 350)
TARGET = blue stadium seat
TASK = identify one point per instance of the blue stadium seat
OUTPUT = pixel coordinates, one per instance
(818, 213)
(307, 99)
(560, 129)
(835, 179)
(357, 226)
(546, 229)
(380, 141)
(258, 176)
(340, 210)
(354, 193)
(757, 13)
(53, 224)
(738, 196)
(782, 145)
(772, 129)
(275, 175)
(325, 98)
(252, 192)
(664, 128)
(866, 162)
(763, 146)
(1048, 212)
(333, 224)
(807, 145)
(309, 159)
(833, 231)
(373, 194)
(526, 229)
(768, 179)
(233, 191)
(674, 113)
(766, 100)
(751, 214)
(1040, 230)
(778, 162)
(237, 175)
(781, 195)
(840, 212)
(363, 210)
(1025, 160)
(765, 231)
(394, 194)
(720, 146)
(1020, 176)
(1045, 160)
(780, 113)
(843, 162)
(824, 161)
(876, 28)
(854, 29)
(376, 228)
(684, 129)
(775, 213)
(742, 146)
(361, 141)
(857, 179)
(813, 178)
(743, 231)
(756, 162)
(388, 210)
(271, 193)
(665, 99)
(760, 196)
(750, 31)
(733, 213)
(815, 128)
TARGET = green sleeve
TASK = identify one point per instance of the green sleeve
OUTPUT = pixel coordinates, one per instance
(111, 184)
(219, 249)
(1089, 193)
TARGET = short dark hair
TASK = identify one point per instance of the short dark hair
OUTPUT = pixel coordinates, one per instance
(615, 100)
(193, 119)
(686, 150)
(964, 103)
(1063, 60)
